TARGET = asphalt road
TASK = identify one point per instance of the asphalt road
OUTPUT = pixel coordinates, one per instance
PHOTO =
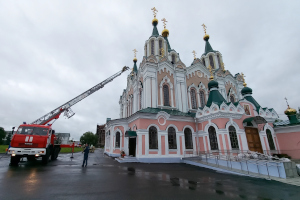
(105, 178)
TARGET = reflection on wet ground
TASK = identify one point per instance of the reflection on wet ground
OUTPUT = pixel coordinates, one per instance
(104, 178)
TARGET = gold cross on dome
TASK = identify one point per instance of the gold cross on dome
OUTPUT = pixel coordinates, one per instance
(164, 22)
(194, 52)
(211, 70)
(286, 101)
(204, 27)
(134, 51)
(162, 50)
(243, 76)
(154, 11)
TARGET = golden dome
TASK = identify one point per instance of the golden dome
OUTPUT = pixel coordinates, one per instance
(290, 111)
(165, 33)
(134, 60)
(155, 21)
(206, 37)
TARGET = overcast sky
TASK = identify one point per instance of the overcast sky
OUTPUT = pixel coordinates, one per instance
(51, 51)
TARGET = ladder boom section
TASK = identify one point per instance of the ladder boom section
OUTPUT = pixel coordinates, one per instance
(54, 114)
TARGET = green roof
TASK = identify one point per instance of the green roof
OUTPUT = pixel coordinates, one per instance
(215, 97)
(135, 67)
(208, 48)
(155, 31)
(169, 47)
(130, 134)
(252, 100)
(171, 112)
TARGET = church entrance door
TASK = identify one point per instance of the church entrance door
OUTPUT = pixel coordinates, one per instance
(132, 146)
(253, 139)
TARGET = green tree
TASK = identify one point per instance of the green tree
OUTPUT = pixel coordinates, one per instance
(89, 138)
(8, 139)
(2, 135)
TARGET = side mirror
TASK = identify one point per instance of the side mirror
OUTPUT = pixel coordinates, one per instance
(53, 131)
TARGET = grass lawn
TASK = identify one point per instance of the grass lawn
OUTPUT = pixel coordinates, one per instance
(69, 150)
(2, 148)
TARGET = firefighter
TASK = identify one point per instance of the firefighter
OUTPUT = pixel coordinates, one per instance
(86, 154)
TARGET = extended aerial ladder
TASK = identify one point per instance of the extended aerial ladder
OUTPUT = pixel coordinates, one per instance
(66, 107)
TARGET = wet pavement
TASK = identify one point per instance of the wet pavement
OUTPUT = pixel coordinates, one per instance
(105, 178)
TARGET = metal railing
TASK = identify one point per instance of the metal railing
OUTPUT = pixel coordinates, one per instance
(237, 156)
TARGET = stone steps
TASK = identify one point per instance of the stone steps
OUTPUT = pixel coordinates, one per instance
(291, 181)
(127, 159)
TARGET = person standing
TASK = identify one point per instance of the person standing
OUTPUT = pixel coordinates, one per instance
(86, 154)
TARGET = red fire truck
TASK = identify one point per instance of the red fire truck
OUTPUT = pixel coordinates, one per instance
(38, 139)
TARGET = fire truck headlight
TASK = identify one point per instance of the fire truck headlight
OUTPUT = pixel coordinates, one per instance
(13, 154)
(41, 151)
(37, 155)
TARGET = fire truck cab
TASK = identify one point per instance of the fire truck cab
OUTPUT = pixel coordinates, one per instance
(33, 141)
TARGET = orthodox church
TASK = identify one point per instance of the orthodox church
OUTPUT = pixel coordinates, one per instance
(169, 109)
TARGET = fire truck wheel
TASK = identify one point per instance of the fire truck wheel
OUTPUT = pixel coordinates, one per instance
(14, 160)
(45, 158)
(54, 153)
(30, 158)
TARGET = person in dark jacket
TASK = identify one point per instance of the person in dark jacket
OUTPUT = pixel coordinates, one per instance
(86, 154)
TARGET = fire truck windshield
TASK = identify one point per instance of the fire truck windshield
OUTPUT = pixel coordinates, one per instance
(32, 131)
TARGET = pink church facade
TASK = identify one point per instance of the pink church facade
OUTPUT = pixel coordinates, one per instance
(169, 110)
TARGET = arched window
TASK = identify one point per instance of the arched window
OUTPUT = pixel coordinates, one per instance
(172, 138)
(203, 61)
(232, 99)
(233, 138)
(193, 99)
(211, 62)
(219, 61)
(166, 95)
(173, 58)
(118, 139)
(140, 99)
(146, 49)
(152, 47)
(160, 46)
(213, 138)
(270, 139)
(153, 138)
(188, 138)
(202, 99)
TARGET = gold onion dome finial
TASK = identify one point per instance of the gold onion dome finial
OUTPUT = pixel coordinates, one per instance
(134, 51)
(154, 21)
(165, 32)
(289, 110)
(206, 36)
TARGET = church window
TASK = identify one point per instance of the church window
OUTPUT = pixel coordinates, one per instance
(233, 138)
(219, 61)
(188, 138)
(166, 95)
(203, 61)
(213, 138)
(193, 99)
(270, 139)
(232, 99)
(146, 49)
(211, 62)
(118, 140)
(140, 99)
(160, 46)
(172, 138)
(173, 58)
(153, 138)
(202, 99)
(152, 47)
